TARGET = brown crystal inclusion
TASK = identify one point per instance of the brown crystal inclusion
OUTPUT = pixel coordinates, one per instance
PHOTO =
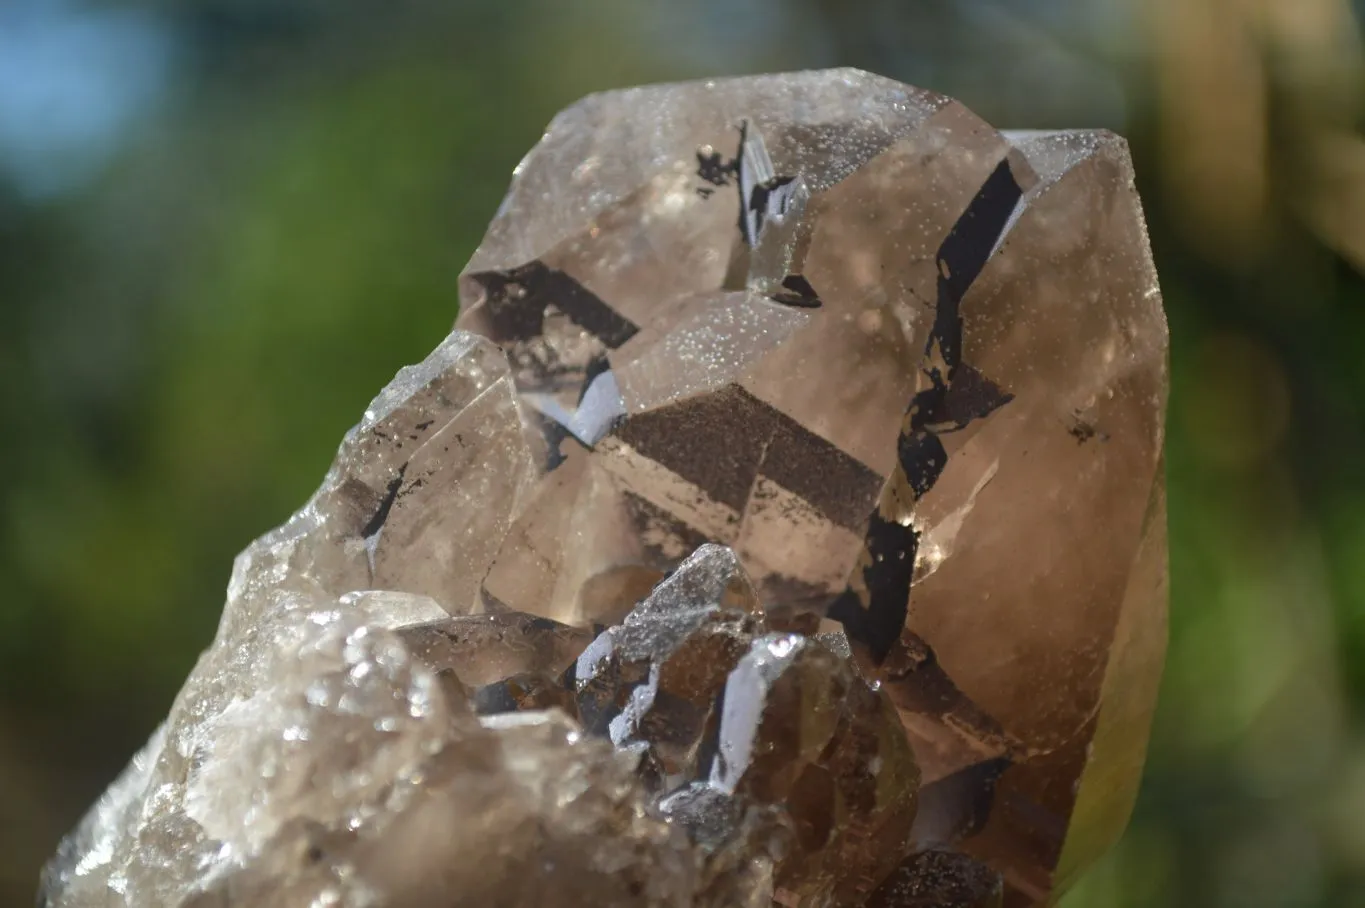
(847, 328)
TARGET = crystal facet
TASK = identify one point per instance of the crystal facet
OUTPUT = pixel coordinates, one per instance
(940, 879)
(784, 523)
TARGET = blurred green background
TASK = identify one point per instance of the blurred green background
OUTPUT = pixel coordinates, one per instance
(225, 223)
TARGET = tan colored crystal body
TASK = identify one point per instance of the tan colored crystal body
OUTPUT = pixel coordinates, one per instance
(348, 769)
(790, 419)
(911, 368)
(323, 750)
(350, 778)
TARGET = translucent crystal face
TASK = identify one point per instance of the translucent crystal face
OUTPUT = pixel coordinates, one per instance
(785, 524)
(911, 368)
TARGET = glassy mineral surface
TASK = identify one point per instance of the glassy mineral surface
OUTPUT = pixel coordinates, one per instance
(783, 523)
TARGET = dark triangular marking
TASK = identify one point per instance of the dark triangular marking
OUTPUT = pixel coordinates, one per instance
(516, 300)
(376, 522)
(797, 291)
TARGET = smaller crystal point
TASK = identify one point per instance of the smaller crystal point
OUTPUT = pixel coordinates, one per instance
(800, 729)
(654, 678)
(415, 496)
(760, 744)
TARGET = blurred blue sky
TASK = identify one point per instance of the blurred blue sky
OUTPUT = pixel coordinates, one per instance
(78, 79)
(74, 81)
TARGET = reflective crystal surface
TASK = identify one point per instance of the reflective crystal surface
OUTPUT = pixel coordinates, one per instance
(786, 513)
(755, 737)
(800, 729)
(912, 369)
(652, 682)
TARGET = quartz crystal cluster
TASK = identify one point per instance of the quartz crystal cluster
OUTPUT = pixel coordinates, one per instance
(782, 524)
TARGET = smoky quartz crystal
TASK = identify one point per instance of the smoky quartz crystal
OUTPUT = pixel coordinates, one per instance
(783, 523)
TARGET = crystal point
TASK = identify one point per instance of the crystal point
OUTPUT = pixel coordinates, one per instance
(782, 524)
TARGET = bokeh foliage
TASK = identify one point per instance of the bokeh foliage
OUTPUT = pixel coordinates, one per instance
(187, 327)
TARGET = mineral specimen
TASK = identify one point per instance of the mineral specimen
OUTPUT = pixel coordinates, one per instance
(783, 524)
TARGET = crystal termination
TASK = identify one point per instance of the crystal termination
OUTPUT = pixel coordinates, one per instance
(782, 524)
